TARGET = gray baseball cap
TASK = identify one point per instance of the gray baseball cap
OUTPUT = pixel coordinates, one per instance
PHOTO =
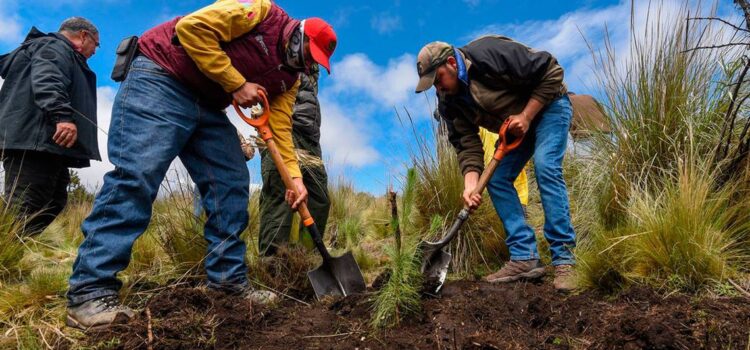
(430, 57)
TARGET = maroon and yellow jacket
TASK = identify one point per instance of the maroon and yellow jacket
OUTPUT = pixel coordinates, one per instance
(218, 48)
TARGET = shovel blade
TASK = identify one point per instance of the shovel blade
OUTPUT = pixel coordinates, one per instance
(339, 276)
(435, 263)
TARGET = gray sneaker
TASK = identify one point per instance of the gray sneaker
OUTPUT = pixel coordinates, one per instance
(99, 312)
(515, 270)
(256, 296)
(263, 297)
(565, 278)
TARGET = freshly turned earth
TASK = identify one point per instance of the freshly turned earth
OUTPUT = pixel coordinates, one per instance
(468, 315)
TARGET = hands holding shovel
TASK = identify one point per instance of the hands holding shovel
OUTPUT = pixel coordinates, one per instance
(337, 276)
(298, 195)
(435, 260)
(248, 95)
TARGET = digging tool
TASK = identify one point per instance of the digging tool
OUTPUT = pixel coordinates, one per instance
(435, 260)
(336, 276)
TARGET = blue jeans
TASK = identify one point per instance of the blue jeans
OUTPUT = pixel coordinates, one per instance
(546, 141)
(154, 120)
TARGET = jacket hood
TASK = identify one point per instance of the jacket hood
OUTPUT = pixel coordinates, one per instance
(6, 59)
(4, 65)
(34, 33)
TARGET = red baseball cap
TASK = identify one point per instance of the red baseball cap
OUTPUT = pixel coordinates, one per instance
(322, 41)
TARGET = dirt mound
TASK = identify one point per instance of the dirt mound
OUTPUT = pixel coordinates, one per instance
(469, 315)
(185, 318)
(286, 272)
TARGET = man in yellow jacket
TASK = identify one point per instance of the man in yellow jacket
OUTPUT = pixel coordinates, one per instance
(521, 184)
(171, 104)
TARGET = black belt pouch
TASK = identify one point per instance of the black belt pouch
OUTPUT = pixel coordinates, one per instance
(126, 52)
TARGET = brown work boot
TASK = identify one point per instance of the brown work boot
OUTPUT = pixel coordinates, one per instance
(515, 270)
(565, 278)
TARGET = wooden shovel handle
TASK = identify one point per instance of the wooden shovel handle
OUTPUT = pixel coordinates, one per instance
(264, 130)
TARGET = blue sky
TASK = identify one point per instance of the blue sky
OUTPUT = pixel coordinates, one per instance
(373, 70)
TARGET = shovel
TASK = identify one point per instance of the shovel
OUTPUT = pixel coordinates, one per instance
(337, 276)
(435, 260)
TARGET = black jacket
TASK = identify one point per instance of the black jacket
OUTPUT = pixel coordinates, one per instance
(306, 115)
(502, 76)
(47, 81)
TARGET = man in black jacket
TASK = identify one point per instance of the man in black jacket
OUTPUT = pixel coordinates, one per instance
(275, 214)
(47, 118)
(490, 80)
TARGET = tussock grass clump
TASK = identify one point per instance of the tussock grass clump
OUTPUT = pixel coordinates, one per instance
(686, 237)
(253, 227)
(358, 222)
(43, 286)
(346, 223)
(691, 233)
(147, 253)
(150, 267)
(12, 248)
(662, 101)
(180, 233)
(70, 220)
(650, 209)
(377, 220)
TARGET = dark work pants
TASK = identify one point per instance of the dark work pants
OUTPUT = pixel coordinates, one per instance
(275, 214)
(36, 184)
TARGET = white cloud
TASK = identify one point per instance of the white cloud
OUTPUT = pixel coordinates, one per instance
(93, 176)
(357, 93)
(359, 103)
(564, 37)
(389, 86)
(384, 23)
(1, 83)
(10, 23)
(345, 137)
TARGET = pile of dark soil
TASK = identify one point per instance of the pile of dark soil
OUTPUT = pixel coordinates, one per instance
(286, 272)
(468, 315)
(185, 318)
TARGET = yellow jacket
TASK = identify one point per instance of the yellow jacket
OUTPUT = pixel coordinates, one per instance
(521, 184)
(201, 34)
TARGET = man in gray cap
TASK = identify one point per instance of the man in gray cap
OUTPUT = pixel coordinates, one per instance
(47, 118)
(488, 81)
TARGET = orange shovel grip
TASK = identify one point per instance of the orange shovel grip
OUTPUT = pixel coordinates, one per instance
(260, 123)
(504, 146)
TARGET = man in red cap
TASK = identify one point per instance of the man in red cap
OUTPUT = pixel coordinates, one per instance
(171, 104)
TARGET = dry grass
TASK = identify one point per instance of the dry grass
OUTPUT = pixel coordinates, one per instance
(437, 198)
(649, 210)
